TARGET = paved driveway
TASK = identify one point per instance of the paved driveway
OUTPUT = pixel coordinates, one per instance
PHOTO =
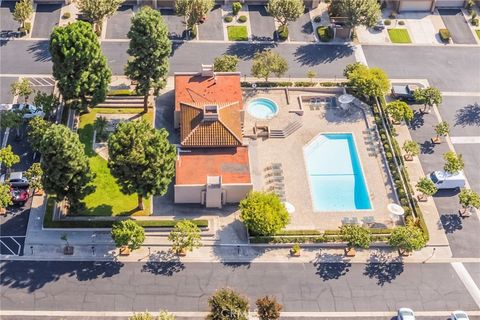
(212, 28)
(119, 24)
(457, 25)
(262, 24)
(302, 29)
(175, 24)
(47, 17)
(8, 26)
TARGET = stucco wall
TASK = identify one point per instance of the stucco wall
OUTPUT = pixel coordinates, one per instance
(193, 193)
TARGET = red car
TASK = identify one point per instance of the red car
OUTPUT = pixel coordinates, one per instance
(19, 196)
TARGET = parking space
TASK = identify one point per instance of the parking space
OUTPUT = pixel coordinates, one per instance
(263, 25)
(212, 28)
(456, 23)
(302, 29)
(463, 115)
(119, 24)
(13, 228)
(175, 24)
(8, 26)
(47, 16)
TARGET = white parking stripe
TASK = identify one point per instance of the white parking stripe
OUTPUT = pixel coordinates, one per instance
(465, 140)
(460, 94)
(467, 281)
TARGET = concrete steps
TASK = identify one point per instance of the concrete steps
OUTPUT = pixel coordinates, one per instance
(287, 131)
(122, 102)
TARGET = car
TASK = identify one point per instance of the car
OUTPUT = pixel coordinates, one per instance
(28, 110)
(459, 315)
(19, 195)
(15, 180)
(379, 26)
(405, 314)
(404, 92)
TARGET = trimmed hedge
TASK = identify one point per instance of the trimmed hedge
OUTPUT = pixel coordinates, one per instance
(444, 35)
(228, 19)
(325, 34)
(305, 84)
(283, 33)
(121, 92)
(242, 19)
(270, 84)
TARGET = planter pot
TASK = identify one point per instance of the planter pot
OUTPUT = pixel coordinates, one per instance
(295, 253)
(350, 252)
(422, 198)
(182, 253)
(403, 253)
(3, 211)
(68, 250)
(464, 213)
(408, 157)
(124, 251)
(38, 192)
(436, 140)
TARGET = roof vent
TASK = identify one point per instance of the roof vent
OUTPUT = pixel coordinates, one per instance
(207, 70)
(210, 112)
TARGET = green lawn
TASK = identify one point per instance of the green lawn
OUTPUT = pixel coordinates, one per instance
(107, 200)
(237, 33)
(399, 36)
(478, 33)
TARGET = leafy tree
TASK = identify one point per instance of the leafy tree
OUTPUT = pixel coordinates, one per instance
(185, 236)
(311, 74)
(23, 11)
(428, 97)
(469, 199)
(411, 148)
(358, 12)
(227, 304)
(21, 88)
(141, 159)
(426, 187)
(285, 11)
(97, 10)
(399, 111)
(407, 239)
(128, 233)
(267, 62)
(11, 119)
(5, 196)
(268, 308)
(8, 158)
(79, 65)
(442, 129)
(64, 163)
(164, 315)
(34, 176)
(236, 7)
(149, 51)
(47, 102)
(36, 132)
(263, 213)
(356, 236)
(141, 316)
(370, 82)
(453, 162)
(193, 10)
(100, 124)
(225, 63)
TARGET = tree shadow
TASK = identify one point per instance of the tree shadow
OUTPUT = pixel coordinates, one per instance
(163, 263)
(313, 54)
(40, 51)
(427, 147)
(418, 121)
(451, 223)
(331, 266)
(383, 268)
(177, 43)
(246, 51)
(468, 116)
(33, 275)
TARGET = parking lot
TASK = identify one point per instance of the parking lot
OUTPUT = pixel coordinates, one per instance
(47, 16)
(457, 25)
(212, 28)
(119, 24)
(263, 25)
(13, 228)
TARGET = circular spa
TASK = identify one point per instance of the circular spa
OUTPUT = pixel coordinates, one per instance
(262, 108)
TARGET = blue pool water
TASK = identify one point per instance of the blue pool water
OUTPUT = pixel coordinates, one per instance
(335, 174)
(262, 108)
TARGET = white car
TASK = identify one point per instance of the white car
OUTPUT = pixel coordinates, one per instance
(28, 110)
(405, 314)
(459, 315)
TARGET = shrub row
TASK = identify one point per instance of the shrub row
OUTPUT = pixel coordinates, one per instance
(121, 92)
(274, 84)
(309, 239)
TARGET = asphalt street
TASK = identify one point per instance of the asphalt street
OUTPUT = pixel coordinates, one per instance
(325, 287)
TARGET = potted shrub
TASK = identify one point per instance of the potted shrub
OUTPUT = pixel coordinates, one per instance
(295, 250)
(412, 149)
(442, 129)
(444, 35)
(399, 111)
(185, 236)
(468, 199)
(128, 236)
(228, 304)
(355, 237)
(427, 188)
(236, 7)
(407, 239)
(68, 249)
(453, 163)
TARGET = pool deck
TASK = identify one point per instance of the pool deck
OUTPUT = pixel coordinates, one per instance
(289, 152)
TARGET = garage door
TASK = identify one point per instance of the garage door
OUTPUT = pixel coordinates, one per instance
(415, 5)
(449, 3)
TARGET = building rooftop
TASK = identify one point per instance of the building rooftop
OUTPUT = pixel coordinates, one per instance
(194, 166)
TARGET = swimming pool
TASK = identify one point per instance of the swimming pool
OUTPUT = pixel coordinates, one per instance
(335, 175)
(262, 108)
